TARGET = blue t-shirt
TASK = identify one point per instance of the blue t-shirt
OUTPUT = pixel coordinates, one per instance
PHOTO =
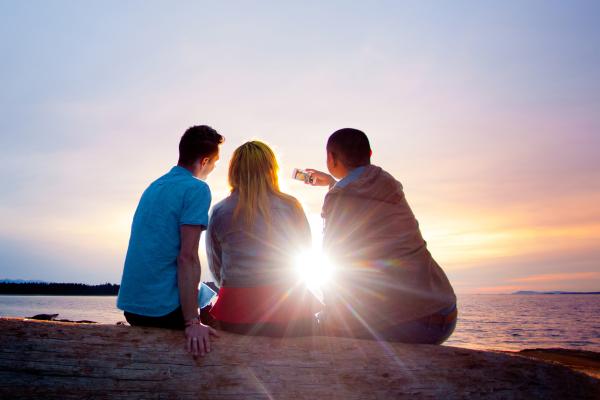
(149, 282)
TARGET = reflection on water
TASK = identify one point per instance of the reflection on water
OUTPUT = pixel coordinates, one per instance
(101, 309)
(507, 322)
(514, 322)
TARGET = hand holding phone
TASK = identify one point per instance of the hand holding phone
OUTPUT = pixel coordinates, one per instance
(319, 178)
(302, 175)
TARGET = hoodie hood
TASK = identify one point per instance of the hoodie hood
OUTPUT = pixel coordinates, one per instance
(374, 183)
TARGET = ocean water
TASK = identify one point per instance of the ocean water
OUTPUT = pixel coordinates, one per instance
(503, 322)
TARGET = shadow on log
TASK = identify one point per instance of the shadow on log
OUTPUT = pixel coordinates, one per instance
(40, 359)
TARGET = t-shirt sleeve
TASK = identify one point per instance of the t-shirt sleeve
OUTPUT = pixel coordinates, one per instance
(195, 206)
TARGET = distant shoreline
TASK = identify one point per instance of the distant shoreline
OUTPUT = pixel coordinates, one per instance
(57, 294)
(8, 288)
(528, 292)
(57, 289)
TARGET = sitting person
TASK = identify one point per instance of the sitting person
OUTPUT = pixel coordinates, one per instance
(159, 286)
(252, 238)
(387, 285)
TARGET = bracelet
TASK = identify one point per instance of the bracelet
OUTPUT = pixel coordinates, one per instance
(193, 321)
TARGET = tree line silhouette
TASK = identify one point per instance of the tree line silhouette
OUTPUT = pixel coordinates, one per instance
(62, 289)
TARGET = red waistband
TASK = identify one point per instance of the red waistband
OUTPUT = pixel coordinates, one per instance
(272, 304)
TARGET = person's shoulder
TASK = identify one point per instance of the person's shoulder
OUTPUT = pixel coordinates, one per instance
(155, 186)
(388, 178)
(220, 205)
(287, 201)
(382, 173)
(374, 183)
(223, 206)
(160, 180)
(197, 185)
(372, 175)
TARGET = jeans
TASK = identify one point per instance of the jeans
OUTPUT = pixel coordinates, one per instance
(421, 330)
(173, 320)
(433, 329)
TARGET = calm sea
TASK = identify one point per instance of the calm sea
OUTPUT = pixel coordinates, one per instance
(505, 322)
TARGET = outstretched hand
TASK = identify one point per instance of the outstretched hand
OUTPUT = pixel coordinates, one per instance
(319, 178)
(197, 338)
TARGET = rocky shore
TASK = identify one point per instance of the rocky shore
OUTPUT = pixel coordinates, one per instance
(65, 360)
(587, 362)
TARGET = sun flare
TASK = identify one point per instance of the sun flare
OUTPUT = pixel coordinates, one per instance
(314, 268)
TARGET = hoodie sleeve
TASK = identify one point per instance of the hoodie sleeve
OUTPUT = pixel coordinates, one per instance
(213, 249)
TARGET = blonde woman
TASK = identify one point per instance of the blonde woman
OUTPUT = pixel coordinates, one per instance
(253, 237)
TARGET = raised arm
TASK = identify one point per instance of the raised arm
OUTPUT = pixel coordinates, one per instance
(319, 178)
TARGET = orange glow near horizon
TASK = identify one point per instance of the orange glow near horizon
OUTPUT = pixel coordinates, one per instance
(463, 249)
(558, 277)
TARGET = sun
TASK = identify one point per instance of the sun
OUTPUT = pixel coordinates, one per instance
(314, 268)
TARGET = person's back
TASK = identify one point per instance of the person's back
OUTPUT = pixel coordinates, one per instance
(175, 199)
(388, 275)
(260, 255)
(387, 284)
(252, 240)
(161, 275)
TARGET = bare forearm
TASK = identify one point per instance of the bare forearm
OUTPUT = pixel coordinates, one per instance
(188, 278)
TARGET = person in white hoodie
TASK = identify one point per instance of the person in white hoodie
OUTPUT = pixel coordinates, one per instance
(387, 285)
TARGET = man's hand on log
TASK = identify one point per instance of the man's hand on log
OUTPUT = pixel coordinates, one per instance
(197, 338)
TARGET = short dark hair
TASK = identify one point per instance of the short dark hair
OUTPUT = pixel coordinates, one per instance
(199, 141)
(351, 147)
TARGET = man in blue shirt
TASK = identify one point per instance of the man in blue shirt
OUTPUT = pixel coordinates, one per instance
(160, 279)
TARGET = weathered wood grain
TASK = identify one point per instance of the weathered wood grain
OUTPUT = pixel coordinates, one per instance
(53, 360)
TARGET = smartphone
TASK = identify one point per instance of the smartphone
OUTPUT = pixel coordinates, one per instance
(302, 175)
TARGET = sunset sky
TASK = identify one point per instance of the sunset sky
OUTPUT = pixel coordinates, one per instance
(487, 112)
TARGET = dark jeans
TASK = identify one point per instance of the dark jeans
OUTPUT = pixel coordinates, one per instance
(173, 320)
(428, 330)
(423, 330)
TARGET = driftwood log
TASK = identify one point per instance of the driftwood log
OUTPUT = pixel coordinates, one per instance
(46, 360)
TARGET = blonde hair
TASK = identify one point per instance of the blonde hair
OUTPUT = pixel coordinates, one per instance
(253, 174)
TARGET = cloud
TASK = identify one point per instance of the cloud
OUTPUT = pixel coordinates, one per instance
(52, 262)
(500, 289)
(504, 274)
(571, 276)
